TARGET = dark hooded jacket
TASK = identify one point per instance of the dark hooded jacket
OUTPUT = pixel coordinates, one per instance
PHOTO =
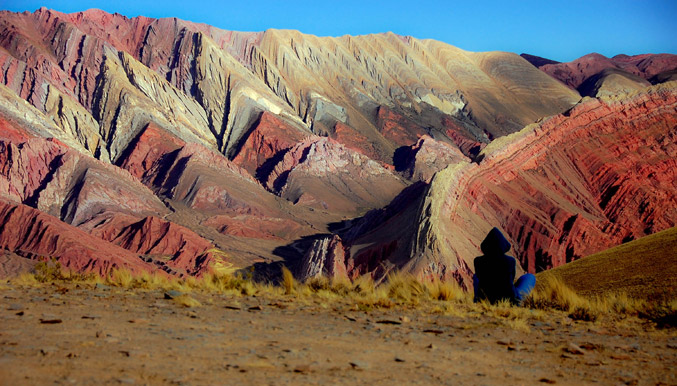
(495, 270)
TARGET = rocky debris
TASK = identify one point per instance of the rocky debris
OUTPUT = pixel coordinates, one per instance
(326, 257)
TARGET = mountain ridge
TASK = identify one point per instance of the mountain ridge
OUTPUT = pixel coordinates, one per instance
(337, 155)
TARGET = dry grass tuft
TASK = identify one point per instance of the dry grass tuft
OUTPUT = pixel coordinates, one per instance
(288, 281)
(552, 293)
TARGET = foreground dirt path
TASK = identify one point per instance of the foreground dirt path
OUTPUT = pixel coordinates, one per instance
(51, 334)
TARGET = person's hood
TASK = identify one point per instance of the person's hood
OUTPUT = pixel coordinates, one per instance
(495, 243)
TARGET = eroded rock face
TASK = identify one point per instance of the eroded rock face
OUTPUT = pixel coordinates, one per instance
(168, 244)
(322, 173)
(101, 78)
(326, 257)
(425, 158)
(561, 189)
(269, 137)
(31, 233)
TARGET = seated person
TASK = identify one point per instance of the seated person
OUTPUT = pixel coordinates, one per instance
(494, 278)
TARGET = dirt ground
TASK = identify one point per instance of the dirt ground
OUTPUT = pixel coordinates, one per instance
(55, 335)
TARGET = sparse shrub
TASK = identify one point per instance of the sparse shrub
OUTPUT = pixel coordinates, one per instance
(664, 314)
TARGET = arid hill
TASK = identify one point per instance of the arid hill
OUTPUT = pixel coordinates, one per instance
(577, 74)
(161, 144)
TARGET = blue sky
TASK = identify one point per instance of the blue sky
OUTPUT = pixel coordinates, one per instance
(559, 30)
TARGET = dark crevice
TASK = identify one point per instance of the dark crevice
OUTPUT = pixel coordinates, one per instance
(53, 166)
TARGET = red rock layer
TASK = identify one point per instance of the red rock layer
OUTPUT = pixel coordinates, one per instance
(227, 196)
(397, 128)
(147, 150)
(31, 233)
(167, 243)
(257, 227)
(570, 186)
(583, 181)
(267, 139)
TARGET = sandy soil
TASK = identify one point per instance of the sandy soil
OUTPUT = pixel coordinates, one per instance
(71, 335)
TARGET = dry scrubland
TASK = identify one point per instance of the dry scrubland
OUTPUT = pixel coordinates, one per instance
(226, 328)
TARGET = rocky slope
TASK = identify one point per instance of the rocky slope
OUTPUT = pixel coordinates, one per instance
(192, 148)
(573, 184)
(114, 74)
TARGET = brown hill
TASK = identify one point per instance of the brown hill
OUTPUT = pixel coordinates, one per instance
(575, 73)
(643, 269)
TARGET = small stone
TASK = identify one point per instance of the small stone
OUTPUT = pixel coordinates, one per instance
(255, 308)
(621, 357)
(399, 359)
(48, 350)
(102, 287)
(405, 319)
(172, 294)
(388, 321)
(547, 380)
(431, 346)
(504, 342)
(433, 331)
(50, 321)
(303, 369)
(16, 307)
(359, 365)
(573, 348)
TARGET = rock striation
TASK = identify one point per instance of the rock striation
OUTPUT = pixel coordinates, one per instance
(571, 185)
(321, 173)
(33, 234)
